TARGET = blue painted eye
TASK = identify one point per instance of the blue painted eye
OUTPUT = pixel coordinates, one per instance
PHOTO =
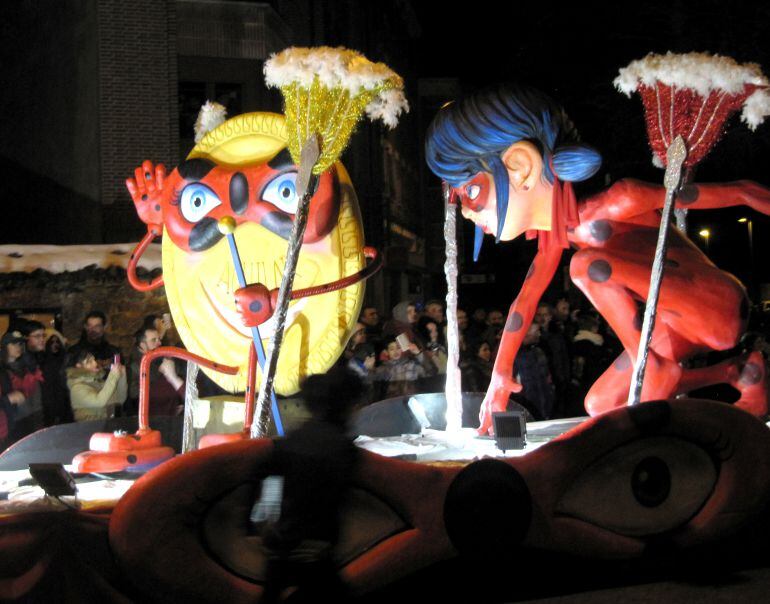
(196, 201)
(472, 191)
(282, 192)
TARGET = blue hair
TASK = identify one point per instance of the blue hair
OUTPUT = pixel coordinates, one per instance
(470, 136)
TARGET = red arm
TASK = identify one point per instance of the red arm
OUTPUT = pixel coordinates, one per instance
(519, 319)
(146, 190)
(629, 198)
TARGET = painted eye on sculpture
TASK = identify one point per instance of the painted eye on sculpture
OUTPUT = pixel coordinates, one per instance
(282, 192)
(196, 201)
(648, 486)
(472, 191)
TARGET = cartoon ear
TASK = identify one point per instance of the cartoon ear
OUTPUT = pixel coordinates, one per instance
(524, 164)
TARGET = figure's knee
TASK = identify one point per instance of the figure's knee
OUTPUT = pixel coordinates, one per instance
(732, 317)
(591, 265)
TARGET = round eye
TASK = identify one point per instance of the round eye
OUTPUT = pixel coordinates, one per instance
(196, 201)
(645, 487)
(282, 192)
(472, 191)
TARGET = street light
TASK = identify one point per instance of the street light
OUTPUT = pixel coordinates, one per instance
(705, 233)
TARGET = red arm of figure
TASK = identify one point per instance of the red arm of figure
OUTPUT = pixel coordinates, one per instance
(146, 190)
(519, 319)
(629, 198)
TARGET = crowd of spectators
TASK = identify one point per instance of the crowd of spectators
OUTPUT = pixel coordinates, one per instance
(563, 353)
(44, 383)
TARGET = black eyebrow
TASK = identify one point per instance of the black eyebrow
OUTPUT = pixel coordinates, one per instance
(194, 170)
(278, 223)
(281, 161)
(204, 234)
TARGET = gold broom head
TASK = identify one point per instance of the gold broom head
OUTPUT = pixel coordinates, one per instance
(326, 92)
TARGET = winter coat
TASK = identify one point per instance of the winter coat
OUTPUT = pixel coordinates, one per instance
(92, 397)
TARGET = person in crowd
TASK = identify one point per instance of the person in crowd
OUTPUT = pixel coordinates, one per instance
(362, 363)
(400, 373)
(430, 332)
(9, 399)
(476, 326)
(435, 310)
(26, 378)
(53, 388)
(94, 340)
(589, 358)
(316, 461)
(159, 324)
(531, 370)
(556, 349)
(477, 369)
(357, 337)
(462, 330)
(403, 321)
(563, 319)
(495, 322)
(370, 317)
(166, 386)
(92, 396)
(56, 397)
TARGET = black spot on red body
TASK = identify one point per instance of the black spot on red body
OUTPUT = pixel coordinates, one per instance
(599, 271)
(623, 362)
(751, 374)
(255, 306)
(515, 321)
(157, 207)
(131, 458)
(601, 230)
(688, 194)
(144, 197)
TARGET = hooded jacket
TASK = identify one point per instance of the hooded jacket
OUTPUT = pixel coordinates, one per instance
(92, 397)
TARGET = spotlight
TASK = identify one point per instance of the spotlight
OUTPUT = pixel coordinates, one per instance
(510, 430)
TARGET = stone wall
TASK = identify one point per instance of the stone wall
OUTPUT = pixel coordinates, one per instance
(77, 293)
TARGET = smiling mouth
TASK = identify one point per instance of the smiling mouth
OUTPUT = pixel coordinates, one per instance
(231, 318)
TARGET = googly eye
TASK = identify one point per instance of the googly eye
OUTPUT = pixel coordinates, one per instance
(196, 201)
(644, 487)
(472, 191)
(282, 192)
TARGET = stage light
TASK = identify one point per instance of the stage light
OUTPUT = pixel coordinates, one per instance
(510, 430)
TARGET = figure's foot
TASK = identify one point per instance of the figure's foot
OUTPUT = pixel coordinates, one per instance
(752, 384)
(661, 378)
(611, 390)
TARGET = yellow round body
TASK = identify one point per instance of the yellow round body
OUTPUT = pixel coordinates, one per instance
(200, 285)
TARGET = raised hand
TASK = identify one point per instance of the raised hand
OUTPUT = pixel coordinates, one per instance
(146, 190)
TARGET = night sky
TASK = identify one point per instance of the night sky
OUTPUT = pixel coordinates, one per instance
(574, 54)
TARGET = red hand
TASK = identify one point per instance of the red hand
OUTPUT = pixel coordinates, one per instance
(146, 190)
